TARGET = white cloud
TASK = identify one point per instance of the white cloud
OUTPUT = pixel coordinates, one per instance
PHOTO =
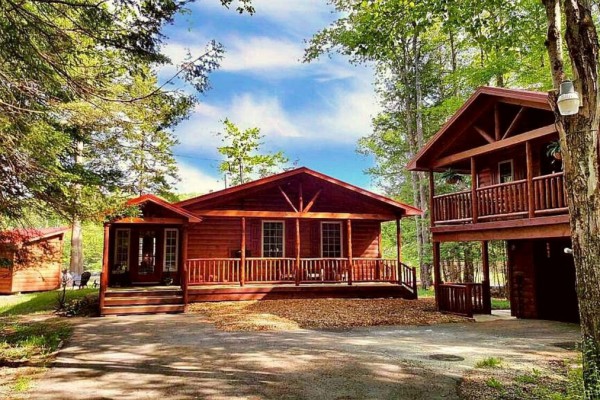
(261, 53)
(194, 180)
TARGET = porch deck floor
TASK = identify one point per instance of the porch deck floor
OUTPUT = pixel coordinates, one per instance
(153, 288)
(290, 285)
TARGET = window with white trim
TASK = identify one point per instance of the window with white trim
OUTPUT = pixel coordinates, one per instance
(122, 248)
(273, 238)
(171, 242)
(331, 239)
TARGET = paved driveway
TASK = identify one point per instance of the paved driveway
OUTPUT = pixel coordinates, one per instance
(183, 357)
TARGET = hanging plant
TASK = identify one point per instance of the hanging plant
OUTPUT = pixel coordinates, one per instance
(451, 176)
(553, 150)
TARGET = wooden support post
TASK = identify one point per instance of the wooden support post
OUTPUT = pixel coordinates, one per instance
(379, 256)
(485, 284)
(398, 251)
(243, 254)
(105, 267)
(474, 205)
(431, 196)
(530, 194)
(437, 273)
(300, 198)
(184, 278)
(298, 266)
(350, 266)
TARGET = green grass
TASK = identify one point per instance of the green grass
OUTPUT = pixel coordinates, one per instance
(31, 340)
(425, 292)
(31, 303)
(22, 384)
(490, 362)
(500, 304)
(531, 378)
(494, 383)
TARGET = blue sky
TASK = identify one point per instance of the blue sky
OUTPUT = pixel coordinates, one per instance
(314, 112)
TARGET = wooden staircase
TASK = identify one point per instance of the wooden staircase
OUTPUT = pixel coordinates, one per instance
(142, 301)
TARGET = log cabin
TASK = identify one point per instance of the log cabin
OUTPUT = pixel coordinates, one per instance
(297, 234)
(500, 140)
(31, 259)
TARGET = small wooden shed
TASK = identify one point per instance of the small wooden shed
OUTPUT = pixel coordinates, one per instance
(30, 259)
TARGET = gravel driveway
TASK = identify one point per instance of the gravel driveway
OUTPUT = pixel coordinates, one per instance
(184, 357)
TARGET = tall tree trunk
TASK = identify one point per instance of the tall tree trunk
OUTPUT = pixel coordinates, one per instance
(581, 160)
(76, 264)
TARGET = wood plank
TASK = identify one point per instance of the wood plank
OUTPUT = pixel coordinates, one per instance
(349, 251)
(514, 123)
(312, 201)
(529, 167)
(150, 220)
(284, 214)
(484, 134)
(287, 199)
(502, 144)
(243, 253)
(496, 122)
(474, 203)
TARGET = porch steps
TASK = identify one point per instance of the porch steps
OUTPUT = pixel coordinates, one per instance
(142, 301)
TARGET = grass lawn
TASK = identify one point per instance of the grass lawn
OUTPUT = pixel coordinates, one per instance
(41, 302)
(29, 335)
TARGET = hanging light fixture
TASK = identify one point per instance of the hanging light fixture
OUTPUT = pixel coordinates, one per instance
(568, 99)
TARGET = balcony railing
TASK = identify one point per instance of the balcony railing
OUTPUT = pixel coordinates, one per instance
(224, 271)
(503, 201)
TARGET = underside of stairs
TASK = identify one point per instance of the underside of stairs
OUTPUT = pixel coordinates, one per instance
(142, 301)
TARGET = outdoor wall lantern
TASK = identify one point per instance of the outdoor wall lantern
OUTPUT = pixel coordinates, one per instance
(568, 99)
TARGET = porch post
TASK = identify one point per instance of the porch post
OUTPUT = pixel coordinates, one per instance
(243, 254)
(398, 251)
(105, 267)
(350, 266)
(485, 284)
(184, 278)
(298, 266)
(437, 272)
(379, 256)
(530, 194)
(474, 205)
(431, 196)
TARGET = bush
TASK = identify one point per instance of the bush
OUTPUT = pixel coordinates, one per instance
(87, 306)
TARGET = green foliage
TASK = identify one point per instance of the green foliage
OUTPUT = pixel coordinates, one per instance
(500, 304)
(490, 362)
(494, 383)
(93, 245)
(244, 160)
(27, 340)
(40, 302)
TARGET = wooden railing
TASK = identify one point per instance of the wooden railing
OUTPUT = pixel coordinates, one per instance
(462, 298)
(453, 207)
(503, 201)
(270, 270)
(212, 271)
(549, 193)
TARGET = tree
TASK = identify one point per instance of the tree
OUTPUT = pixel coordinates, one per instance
(243, 159)
(581, 160)
(57, 52)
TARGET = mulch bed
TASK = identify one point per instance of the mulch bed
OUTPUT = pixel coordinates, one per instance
(269, 315)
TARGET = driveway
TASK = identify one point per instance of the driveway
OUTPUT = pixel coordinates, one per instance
(184, 357)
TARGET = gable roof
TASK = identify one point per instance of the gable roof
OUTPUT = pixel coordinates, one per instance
(482, 98)
(165, 204)
(402, 208)
(28, 235)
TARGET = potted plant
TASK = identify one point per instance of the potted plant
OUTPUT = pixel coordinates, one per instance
(451, 176)
(553, 150)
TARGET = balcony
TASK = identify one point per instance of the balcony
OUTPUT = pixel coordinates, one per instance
(542, 195)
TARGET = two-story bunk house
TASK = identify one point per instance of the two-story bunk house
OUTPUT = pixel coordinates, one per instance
(296, 234)
(504, 140)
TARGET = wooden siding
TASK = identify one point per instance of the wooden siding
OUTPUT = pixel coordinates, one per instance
(6, 273)
(221, 237)
(522, 278)
(40, 268)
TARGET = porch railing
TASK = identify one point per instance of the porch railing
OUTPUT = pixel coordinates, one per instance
(462, 298)
(503, 201)
(222, 271)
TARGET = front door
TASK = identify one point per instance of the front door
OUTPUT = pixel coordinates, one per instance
(147, 267)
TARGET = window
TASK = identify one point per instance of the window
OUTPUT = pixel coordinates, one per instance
(273, 238)
(505, 171)
(331, 239)
(171, 239)
(146, 252)
(122, 248)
